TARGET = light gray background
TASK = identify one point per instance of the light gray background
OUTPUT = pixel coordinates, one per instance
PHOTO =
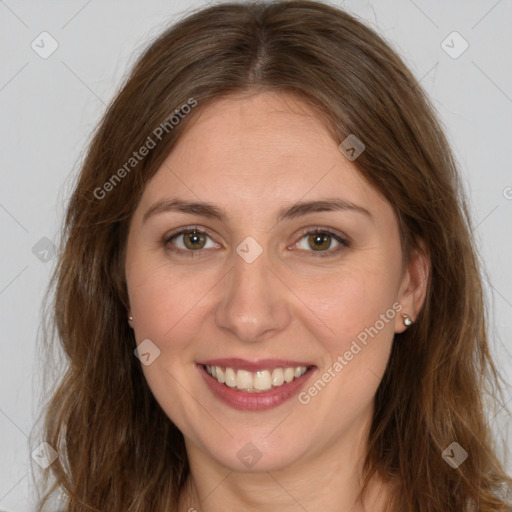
(50, 106)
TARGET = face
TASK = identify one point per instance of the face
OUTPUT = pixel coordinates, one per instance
(274, 281)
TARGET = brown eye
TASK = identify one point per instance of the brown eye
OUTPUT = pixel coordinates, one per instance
(188, 242)
(194, 240)
(319, 241)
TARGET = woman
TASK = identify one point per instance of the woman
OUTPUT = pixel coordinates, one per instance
(268, 286)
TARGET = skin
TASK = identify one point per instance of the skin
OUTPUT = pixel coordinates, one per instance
(252, 155)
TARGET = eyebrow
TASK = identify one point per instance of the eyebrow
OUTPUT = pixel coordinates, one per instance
(212, 211)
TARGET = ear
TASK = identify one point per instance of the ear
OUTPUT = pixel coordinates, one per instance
(413, 287)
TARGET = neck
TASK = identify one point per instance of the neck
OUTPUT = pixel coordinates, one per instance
(327, 479)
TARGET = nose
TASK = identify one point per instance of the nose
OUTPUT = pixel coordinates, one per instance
(254, 302)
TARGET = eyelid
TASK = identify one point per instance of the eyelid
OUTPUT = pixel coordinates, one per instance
(185, 229)
(342, 239)
(182, 231)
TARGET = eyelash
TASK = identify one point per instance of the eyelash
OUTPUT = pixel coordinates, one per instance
(344, 243)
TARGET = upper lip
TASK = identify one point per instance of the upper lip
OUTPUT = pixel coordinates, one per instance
(252, 366)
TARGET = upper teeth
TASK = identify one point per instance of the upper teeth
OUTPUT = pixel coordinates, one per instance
(262, 380)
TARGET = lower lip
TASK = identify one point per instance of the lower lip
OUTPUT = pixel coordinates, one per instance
(260, 401)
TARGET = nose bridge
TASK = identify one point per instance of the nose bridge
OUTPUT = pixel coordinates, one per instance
(253, 303)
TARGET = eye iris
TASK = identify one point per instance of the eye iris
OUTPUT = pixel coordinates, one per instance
(319, 238)
(194, 238)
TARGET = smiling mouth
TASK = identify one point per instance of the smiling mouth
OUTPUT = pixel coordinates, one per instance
(258, 381)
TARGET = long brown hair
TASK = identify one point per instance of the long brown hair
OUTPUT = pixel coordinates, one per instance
(118, 451)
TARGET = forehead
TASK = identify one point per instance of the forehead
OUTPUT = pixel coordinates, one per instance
(267, 126)
(257, 152)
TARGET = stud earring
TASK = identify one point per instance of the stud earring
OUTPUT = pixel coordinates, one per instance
(407, 320)
(130, 317)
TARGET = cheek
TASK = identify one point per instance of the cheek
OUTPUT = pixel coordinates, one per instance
(355, 298)
(168, 304)
(359, 306)
(165, 307)
(158, 298)
(151, 299)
